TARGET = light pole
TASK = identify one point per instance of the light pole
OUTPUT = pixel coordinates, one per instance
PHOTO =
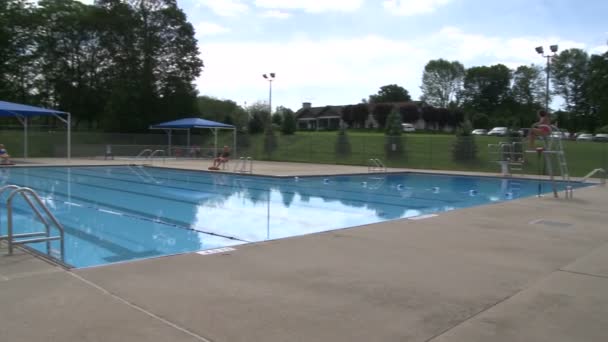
(270, 77)
(541, 52)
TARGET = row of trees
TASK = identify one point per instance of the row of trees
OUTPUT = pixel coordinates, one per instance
(118, 65)
(495, 95)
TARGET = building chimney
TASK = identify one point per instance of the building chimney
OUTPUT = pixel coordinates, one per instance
(306, 105)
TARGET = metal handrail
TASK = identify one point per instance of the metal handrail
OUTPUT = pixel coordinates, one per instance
(593, 173)
(157, 152)
(141, 154)
(241, 165)
(376, 165)
(25, 193)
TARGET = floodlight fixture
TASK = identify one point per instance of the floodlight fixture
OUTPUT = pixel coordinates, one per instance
(540, 50)
(554, 48)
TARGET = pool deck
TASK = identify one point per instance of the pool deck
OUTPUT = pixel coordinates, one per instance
(534, 269)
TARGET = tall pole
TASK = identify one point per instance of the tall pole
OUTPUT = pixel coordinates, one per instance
(270, 97)
(548, 76)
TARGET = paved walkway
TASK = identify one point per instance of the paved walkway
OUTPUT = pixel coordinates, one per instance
(526, 270)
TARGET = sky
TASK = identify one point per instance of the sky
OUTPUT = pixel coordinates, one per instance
(337, 52)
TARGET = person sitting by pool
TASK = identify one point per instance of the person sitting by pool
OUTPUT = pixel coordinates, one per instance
(221, 158)
(6, 158)
(540, 129)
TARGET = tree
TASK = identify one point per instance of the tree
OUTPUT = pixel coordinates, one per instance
(288, 126)
(360, 112)
(215, 109)
(259, 118)
(441, 82)
(486, 88)
(277, 118)
(529, 92)
(390, 93)
(410, 112)
(381, 112)
(569, 73)
(597, 83)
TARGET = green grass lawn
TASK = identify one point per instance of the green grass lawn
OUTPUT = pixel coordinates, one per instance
(423, 151)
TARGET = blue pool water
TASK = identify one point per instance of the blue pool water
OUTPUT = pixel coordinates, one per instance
(114, 214)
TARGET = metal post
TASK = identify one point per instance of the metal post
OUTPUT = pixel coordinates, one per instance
(215, 142)
(270, 99)
(234, 152)
(69, 124)
(548, 76)
(25, 137)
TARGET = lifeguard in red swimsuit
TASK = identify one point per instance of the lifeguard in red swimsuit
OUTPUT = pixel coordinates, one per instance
(542, 128)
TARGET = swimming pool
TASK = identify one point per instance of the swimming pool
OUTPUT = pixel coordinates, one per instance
(120, 213)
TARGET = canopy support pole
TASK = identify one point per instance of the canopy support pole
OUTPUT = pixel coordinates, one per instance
(234, 141)
(188, 140)
(25, 137)
(215, 142)
(168, 142)
(69, 124)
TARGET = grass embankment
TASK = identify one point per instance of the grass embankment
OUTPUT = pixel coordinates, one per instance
(422, 151)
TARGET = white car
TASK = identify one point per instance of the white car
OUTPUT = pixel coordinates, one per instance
(480, 131)
(499, 131)
(408, 127)
(584, 137)
(601, 137)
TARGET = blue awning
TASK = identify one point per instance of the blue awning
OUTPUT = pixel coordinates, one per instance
(191, 123)
(16, 109)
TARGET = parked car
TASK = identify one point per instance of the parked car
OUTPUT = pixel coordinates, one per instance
(584, 137)
(408, 127)
(480, 131)
(499, 131)
(559, 135)
(601, 137)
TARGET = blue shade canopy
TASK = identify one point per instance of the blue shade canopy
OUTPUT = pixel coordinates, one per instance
(190, 123)
(16, 109)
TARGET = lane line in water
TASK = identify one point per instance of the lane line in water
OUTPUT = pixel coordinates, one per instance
(139, 308)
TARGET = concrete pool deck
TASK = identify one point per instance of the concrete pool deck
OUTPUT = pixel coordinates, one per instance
(534, 269)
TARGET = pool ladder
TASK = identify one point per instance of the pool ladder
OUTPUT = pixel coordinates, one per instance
(244, 165)
(375, 165)
(32, 199)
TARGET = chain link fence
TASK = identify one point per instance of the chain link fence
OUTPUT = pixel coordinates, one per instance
(418, 151)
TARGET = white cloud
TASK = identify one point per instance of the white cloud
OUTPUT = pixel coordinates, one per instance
(343, 70)
(312, 6)
(598, 50)
(88, 2)
(225, 8)
(209, 29)
(277, 14)
(413, 7)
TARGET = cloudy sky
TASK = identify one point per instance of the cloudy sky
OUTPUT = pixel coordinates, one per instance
(340, 51)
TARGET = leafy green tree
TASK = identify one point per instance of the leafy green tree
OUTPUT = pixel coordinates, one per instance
(486, 88)
(390, 93)
(597, 83)
(410, 112)
(569, 73)
(381, 112)
(277, 118)
(393, 146)
(288, 126)
(441, 82)
(529, 93)
(360, 112)
(215, 109)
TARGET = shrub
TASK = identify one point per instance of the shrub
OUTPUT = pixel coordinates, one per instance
(288, 126)
(343, 148)
(393, 145)
(464, 148)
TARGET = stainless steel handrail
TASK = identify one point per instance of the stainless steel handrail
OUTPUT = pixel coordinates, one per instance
(141, 154)
(26, 192)
(593, 173)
